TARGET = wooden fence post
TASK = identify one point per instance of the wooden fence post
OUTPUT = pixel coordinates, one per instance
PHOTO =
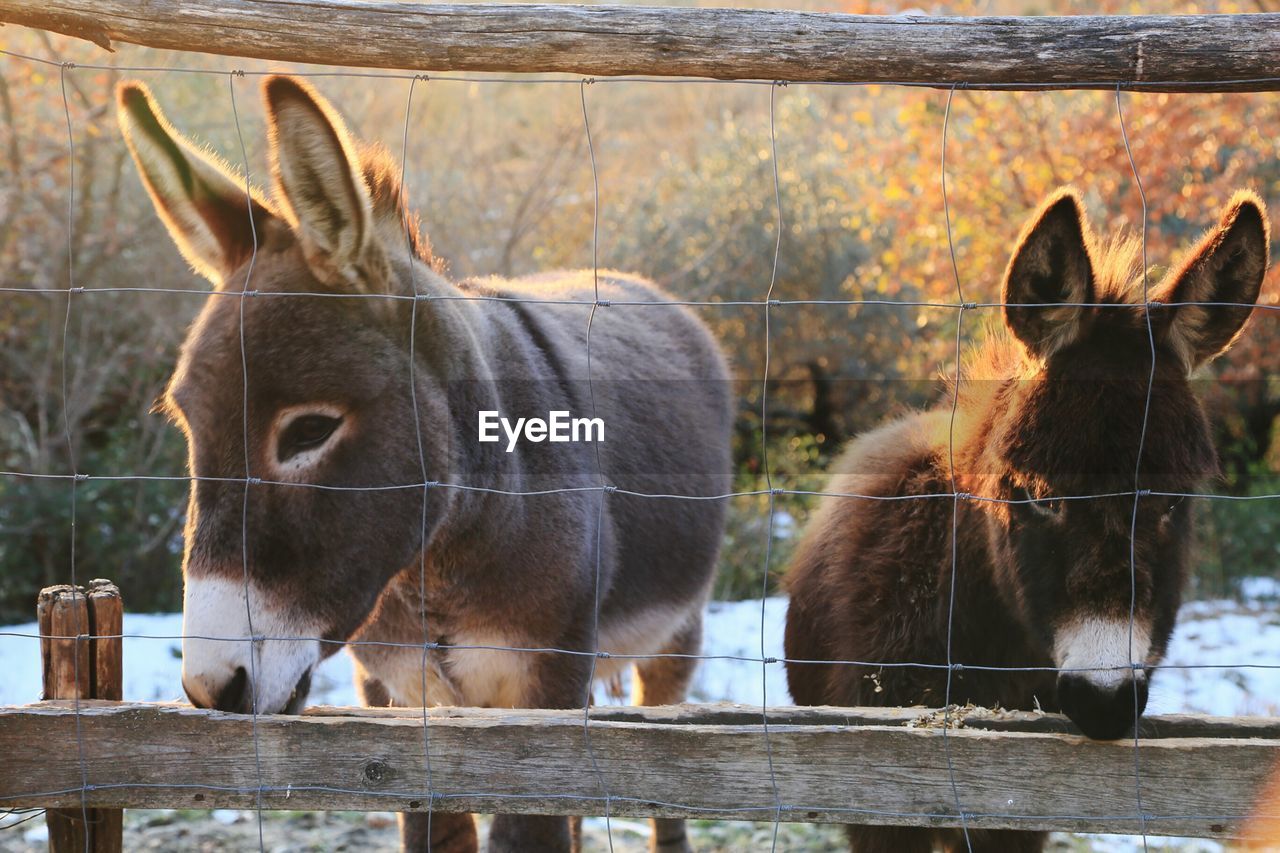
(86, 664)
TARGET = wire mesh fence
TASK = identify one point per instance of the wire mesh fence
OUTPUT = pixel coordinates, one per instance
(598, 490)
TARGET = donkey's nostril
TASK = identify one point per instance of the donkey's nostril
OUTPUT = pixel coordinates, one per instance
(1103, 712)
(298, 699)
(232, 697)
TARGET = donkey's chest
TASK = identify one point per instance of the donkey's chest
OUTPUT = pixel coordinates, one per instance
(492, 669)
(477, 669)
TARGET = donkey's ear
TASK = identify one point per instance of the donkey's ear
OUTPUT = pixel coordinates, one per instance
(212, 216)
(1227, 266)
(1051, 274)
(318, 180)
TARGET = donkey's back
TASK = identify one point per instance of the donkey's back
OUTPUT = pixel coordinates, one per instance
(893, 538)
(620, 350)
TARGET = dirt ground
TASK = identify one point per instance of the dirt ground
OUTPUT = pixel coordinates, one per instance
(375, 832)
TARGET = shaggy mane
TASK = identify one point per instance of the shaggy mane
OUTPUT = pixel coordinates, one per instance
(1117, 269)
(1117, 278)
(382, 176)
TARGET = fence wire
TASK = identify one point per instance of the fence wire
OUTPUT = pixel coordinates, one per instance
(421, 303)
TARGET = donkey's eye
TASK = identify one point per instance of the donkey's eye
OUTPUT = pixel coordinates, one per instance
(1045, 507)
(304, 433)
(1174, 503)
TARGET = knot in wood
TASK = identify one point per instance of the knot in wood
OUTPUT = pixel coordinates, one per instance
(376, 771)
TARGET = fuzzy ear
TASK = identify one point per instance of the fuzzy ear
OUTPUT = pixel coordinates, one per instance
(1050, 273)
(318, 180)
(1226, 266)
(205, 208)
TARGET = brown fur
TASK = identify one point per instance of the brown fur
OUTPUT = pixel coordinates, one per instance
(475, 566)
(1055, 408)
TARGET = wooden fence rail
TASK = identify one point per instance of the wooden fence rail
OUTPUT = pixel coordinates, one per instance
(1144, 52)
(82, 658)
(1200, 776)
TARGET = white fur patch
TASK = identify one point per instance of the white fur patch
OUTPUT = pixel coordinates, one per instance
(400, 670)
(489, 670)
(491, 676)
(1099, 651)
(216, 608)
(646, 633)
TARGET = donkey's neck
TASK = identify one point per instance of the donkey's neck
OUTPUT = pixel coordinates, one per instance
(471, 359)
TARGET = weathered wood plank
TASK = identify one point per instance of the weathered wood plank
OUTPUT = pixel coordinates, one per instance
(106, 661)
(63, 612)
(106, 651)
(726, 713)
(85, 667)
(836, 765)
(1169, 53)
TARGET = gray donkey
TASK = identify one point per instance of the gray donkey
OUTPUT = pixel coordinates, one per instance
(335, 500)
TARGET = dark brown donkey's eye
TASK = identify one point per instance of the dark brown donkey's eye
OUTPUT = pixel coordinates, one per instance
(1172, 506)
(1043, 507)
(304, 433)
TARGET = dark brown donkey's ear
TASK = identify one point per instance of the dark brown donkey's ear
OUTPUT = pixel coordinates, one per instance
(1227, 266)
(318, 182)
(210, 214)
(1050, 274)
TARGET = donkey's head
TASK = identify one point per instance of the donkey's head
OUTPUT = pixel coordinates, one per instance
(1097, 580)
(308, 394)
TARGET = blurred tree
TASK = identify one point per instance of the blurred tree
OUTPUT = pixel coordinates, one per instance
(686, 173)
(76, 383)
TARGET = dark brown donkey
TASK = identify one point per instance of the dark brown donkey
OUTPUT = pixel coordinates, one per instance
(1054, 411)
(328, 401)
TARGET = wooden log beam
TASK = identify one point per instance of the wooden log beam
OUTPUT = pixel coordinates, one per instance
(88, 666)
(885, 766)
(1144, 52)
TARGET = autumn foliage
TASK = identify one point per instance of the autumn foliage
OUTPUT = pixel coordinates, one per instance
(503, 177)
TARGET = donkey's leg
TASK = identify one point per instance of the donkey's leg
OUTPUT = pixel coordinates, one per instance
(438, 832)
(890, 839)
(559, 681)
(997, 841)
(665, 681)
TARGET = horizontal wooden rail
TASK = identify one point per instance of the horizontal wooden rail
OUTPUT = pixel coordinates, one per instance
(1166, 53)
(1200, 776)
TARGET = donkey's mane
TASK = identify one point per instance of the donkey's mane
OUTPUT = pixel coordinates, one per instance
(1117, 278)
(382, 176)
(1117, 268)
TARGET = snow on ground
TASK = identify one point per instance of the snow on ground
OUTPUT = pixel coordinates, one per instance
(1224, 659)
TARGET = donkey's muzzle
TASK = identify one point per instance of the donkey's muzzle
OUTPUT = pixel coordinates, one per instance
(236, 696)
(1103, 712)
(243, 650)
